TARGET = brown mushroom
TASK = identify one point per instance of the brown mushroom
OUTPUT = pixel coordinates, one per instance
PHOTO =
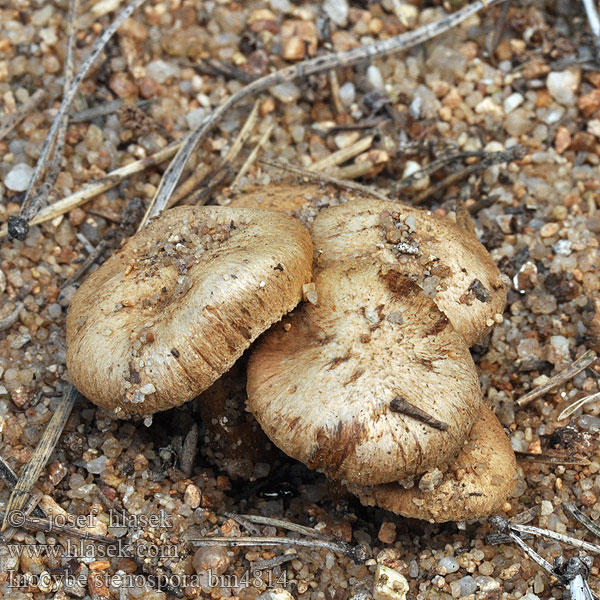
(446, 260)
(476, 484)
(370, 385)
(171, 311)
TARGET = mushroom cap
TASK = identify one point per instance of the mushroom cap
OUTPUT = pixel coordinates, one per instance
(303, 201)
(447, 261)
(171, 311)
(287, 198)
(321, 382)
(477, 483)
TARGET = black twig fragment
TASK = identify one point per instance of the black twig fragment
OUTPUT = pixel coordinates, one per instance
(402, 406)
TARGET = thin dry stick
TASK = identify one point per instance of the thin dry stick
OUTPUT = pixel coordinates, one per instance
(575, 513)
(341, 156)
(19, 225)
(334, 84)
(253, 155)
(12, 120)
(559, 537)
(86, 264)
(402, 406)
(190, 184)
(356, 169)
(592, 15)
(582, 363)
(283, 524)
(59, 147)
(341, 547)
(98, 187)
(323, 178)
(492, 158)
(551, 460)
(567, 412)
(41, 454)
(320, 64)
(89, 114)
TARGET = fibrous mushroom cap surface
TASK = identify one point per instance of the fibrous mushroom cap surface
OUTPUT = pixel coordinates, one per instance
(478, 482)
(171, 311)
(322, 389)
(446, 260)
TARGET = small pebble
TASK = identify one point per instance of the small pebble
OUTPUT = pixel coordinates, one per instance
(347, 93)
(337, 11)
(448, 564)
(18, 177)
(387, 532)
(374, 77)
(563, 85)
(512, 102)
(549, 229)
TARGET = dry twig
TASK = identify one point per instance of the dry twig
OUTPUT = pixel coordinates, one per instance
(18, 226)
(582, 363)
(61, 133)
(253, 155)
(323, 178)
(567, 412)
(41, 454)
(98, 187)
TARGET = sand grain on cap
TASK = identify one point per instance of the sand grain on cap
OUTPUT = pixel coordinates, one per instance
(172, 310)
(446, 260)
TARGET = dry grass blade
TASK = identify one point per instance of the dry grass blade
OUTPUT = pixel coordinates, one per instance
(320, 64)
(323, 178)
(341, 156)
(12, 120)
(207, 176)
(41, 454)
(575, 513)
(98, 187)
(567, 412)
(592, 16)
(289, 525)
(551, 460)
(583, 362)
(30, 208)
(253, 155)
(10, 478)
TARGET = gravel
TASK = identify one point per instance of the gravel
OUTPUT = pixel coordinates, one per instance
(541, 227)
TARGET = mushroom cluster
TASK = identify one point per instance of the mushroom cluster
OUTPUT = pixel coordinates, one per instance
(370, 381)
(373, 383)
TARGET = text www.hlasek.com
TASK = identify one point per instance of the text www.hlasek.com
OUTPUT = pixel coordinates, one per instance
(87, 549)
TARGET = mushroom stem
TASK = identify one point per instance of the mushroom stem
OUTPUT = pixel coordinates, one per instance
(403, 406)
